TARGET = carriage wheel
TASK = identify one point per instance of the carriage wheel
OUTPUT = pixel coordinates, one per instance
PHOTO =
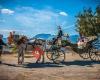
(49, 55)
(55, 55)
(59, 57)
(94, 54)
(52, 55)
(84, 53)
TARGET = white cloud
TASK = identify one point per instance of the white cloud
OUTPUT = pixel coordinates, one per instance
(7, 11)
(38, 21)
(34, 21)
(63, 13)
(31, 17)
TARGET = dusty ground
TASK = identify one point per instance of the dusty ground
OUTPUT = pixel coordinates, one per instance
(74, 68)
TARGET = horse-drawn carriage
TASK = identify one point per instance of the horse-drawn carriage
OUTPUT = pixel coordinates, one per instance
(53, 52)
(56, 53)
(91, 50)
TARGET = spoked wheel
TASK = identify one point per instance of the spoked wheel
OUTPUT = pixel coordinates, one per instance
(84, 53)
(49, 55)
(94, 54)
(52, 55)
(58, 57)
(55, 55)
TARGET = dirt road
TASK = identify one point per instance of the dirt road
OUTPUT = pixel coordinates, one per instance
(74, 68)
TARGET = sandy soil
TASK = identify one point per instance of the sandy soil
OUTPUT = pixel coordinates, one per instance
(74, 68)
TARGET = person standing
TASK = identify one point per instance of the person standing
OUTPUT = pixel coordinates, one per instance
(1, 46)
(21, 49)
(60, 32)
(10, 38)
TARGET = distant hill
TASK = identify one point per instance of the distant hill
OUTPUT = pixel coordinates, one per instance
(73, 38)
(43, 36)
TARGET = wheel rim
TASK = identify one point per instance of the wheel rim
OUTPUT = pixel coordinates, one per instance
(60, 58)
(55, 55)
(49, 55)
(84, 53)
(95, 54)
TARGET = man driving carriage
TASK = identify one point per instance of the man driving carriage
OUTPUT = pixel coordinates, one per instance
(60, 32)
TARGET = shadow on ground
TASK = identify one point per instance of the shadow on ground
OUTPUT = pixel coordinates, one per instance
(34, 65)
(81, 63)
(41, 65)
(50, 64)
(69, 63)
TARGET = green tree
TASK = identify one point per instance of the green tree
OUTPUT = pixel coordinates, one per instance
(88, 22)
(97, 18)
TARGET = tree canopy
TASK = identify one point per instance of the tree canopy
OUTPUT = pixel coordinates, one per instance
(88, 22)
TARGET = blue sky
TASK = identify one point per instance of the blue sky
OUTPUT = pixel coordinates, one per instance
(31, 17)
